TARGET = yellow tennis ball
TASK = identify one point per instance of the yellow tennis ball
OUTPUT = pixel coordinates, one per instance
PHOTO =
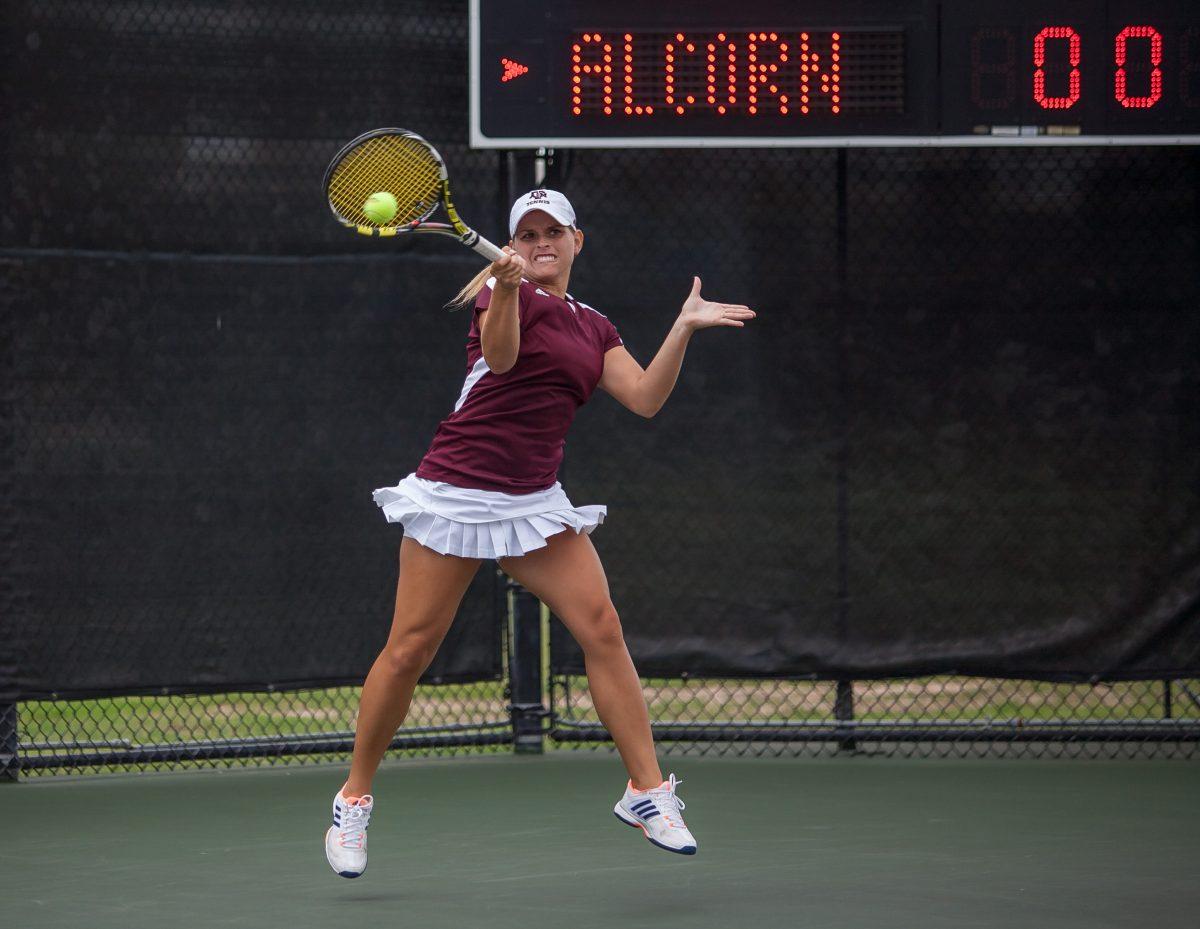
(380, 207)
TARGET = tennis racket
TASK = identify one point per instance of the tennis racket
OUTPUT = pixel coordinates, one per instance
(410, 169)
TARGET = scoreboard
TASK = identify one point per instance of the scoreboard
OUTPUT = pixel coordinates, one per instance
(578, 73)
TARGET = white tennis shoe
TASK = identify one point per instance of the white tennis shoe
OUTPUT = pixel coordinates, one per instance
(346, 839)
(657, 812)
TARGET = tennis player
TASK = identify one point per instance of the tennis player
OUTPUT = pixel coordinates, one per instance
(487, 489)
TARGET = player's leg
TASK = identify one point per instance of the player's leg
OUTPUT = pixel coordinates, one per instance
(568, 577)
(428, 594)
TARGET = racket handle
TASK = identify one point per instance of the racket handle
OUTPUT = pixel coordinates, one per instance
(484, 247)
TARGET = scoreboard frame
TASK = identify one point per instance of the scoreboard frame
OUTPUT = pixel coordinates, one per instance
(941, 73)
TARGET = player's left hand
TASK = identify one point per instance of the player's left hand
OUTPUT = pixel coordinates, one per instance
(698, 313)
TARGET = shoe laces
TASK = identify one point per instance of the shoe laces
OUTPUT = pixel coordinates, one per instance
(353, 831)
(668, 803)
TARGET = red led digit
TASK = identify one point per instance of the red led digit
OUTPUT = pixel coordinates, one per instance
(591, 61)
(1039, 61)
(710, 75)
(767, 54)
(731, 72)
(1122, 95)
(752, 67)
(630, 105)
(835, 74)
(669, 73)
(689, 73)
(805, 60)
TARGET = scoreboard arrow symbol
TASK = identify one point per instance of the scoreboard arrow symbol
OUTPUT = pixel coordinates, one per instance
(512, 69)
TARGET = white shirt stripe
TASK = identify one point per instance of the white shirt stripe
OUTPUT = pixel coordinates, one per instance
(479, 370)
(585, 306)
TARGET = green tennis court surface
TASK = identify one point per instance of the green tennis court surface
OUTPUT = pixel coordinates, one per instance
(529, 842)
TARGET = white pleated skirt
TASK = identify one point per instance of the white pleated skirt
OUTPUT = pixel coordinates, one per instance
(482, 523)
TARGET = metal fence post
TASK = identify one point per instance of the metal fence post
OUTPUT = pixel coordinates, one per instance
(9, 660)
(10, 763)
(525, 672)
(843, 705)
(843, 711)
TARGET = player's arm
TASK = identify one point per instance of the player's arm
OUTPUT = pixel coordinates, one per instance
(500, 323)
(645, 392)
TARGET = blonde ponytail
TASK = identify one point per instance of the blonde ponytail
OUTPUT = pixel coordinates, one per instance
(471, 289)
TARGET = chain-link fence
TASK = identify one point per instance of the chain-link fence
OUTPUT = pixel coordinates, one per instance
(928, 717)
(253, 727)
(940, 496)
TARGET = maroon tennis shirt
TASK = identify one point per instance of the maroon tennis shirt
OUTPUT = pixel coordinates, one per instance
(507, 431)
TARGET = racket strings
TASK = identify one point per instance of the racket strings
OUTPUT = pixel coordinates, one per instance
(403, 167)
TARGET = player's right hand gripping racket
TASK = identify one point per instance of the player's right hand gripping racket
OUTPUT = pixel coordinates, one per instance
(410, 169)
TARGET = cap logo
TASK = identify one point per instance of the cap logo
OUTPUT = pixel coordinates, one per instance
(542, 198)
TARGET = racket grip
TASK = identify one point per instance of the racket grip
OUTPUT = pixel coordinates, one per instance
(486, 248)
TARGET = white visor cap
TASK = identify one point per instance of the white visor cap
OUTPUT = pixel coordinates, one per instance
(549, 201)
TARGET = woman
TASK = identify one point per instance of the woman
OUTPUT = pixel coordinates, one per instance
(487, 490)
